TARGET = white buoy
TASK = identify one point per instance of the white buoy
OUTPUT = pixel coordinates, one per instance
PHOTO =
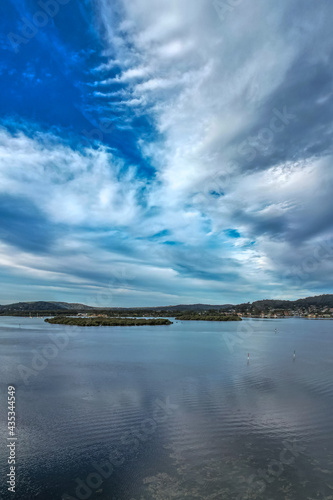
(294, 356)
(248, 356)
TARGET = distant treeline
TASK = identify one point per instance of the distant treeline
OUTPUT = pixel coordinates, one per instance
(96, 321)
(209, 316)
(114, 315)
(110, 313)
(40, 313)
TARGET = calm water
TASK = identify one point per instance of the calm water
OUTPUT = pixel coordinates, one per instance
(178, 409)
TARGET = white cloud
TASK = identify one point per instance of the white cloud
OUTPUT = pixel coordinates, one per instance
(66, 185)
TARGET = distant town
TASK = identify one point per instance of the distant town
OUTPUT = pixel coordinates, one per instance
(302, 312)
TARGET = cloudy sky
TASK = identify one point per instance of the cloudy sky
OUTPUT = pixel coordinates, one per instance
(157, 152)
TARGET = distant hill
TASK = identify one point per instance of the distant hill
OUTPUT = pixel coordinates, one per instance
(319, 300)
(43, 306)
(188, 307)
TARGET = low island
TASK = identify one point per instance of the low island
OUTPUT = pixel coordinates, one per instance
(97, 321)
(195, 316)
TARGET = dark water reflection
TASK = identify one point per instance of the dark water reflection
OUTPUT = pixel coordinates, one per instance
(177, 409)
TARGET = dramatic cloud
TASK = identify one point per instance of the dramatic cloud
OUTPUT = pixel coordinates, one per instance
(184, 156)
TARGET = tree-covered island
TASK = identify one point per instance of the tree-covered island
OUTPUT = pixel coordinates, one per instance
(100, 321)
(207, 316)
